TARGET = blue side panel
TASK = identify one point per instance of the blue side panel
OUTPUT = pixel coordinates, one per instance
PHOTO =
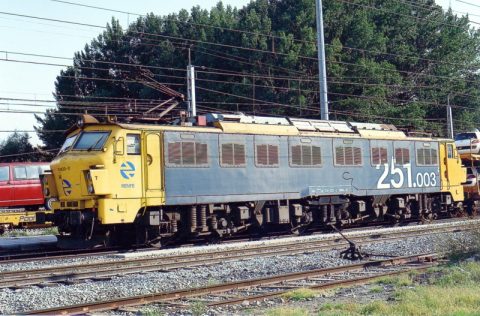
(214, 183)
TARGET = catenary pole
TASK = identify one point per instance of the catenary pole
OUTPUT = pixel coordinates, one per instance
(192, 105)
(322, 68)
(449, 118)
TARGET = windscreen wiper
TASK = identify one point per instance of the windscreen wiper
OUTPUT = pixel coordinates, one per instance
(96, 143)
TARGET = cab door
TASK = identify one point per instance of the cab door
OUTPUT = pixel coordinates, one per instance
(153, 176)
(451, 170)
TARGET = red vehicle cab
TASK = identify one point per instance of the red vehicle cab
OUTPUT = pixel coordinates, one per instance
(20, 184)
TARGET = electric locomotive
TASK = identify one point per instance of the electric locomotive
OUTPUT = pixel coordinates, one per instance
(222, 174)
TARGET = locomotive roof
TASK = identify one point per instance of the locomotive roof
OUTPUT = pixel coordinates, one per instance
(245, 124)
(284, 126)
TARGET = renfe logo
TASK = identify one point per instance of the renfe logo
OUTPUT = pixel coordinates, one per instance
(127, 170)
(67, 187)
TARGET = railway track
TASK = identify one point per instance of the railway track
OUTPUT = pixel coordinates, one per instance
(47, 254)
(30, 256)
(261, 288)
(102, 270)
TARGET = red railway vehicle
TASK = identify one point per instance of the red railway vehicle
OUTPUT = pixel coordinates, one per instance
(20, 185)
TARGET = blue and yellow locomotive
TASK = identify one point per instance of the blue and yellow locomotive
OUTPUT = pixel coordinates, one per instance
(223, 174)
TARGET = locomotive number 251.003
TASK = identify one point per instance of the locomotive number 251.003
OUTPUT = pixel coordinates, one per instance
(397, 177)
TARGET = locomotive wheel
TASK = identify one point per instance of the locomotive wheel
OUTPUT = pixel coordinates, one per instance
(426, 218)
(214, 238)
(458, 213)
(474, 212)
(157, 243)
(299, 230)
(69, 242)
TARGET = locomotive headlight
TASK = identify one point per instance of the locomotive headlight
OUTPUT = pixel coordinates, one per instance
(90, 188)
(89, 176)
(80, 122)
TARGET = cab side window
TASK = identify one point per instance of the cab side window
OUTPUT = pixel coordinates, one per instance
(449, 151)
(20, 173)
(42, 169)
(133, 144)
(32, 172)
(4, 173)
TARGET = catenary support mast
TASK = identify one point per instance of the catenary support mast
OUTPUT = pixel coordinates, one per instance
(322, 68)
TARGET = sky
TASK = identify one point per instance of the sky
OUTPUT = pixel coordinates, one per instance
(36, 82)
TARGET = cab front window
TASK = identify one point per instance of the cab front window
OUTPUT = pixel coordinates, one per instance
(91, 141)
(68, 143)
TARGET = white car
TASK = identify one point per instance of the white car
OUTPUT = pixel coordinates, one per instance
(468, 143)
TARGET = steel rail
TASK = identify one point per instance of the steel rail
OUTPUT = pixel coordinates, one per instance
(61, 254)
(220, 288)
(97, 270)
(55, 254)
(323, 286)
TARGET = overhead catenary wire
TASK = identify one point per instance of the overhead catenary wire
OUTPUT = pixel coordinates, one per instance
(182, 70)
(240, 47)
(178, 84)
(271, 35)
(215, 72)
(189, 40)
(40, 151)
(155, 35)
(469, 3)
(399, 14)
(65, 113)
(112, 63)
(355, 96)
(33, 131)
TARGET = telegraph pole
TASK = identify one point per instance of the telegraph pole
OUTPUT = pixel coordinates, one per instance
(192, 105)
(322, 68)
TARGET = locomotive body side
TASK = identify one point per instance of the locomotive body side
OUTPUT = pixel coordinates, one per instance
(213, 182)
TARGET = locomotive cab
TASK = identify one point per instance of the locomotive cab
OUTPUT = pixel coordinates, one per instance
(96, 181)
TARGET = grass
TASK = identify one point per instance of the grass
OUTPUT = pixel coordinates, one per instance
(149, 312)
(198, 308)
(286, 311)
(376, 289)
(397, 281)
(17, 233)
(22, 232)
(212, 282)
(454, 292)
(461, 249)
(301, 294)
(51, 230)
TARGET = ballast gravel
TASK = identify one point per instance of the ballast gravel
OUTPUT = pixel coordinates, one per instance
(15, 301)
(99, 259)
